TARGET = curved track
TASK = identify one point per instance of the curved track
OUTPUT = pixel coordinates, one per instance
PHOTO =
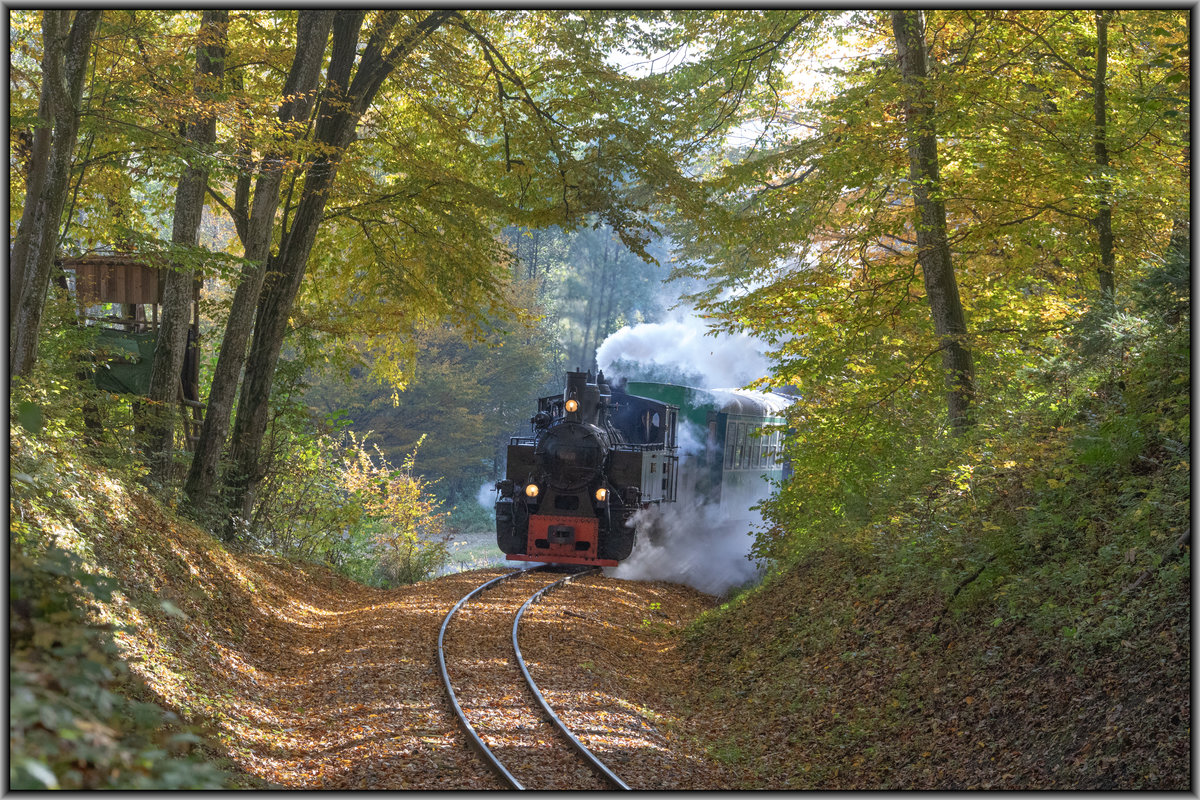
(610, 780)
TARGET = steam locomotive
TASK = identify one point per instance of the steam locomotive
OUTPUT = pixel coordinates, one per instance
(599, 454)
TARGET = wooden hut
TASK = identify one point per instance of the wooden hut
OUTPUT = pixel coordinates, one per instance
(122, 295)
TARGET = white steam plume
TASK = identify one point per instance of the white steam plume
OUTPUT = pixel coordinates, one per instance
(486, 496)
(696, 543)
(681, 342)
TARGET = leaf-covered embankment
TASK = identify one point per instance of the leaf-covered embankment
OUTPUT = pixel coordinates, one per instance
(300, 678)
(1021, 620)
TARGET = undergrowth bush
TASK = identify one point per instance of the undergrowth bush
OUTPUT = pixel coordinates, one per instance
(72, 721)
(330, 497)
(408, 530)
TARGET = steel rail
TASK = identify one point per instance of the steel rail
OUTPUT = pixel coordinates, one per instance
(579, 746)
(472, 736)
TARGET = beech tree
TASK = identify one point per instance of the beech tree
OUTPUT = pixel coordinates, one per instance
(806, 237)
(66, 49)
(342, 103)
(478, 135)
(171, 344)
(256, 221)
(933, 249)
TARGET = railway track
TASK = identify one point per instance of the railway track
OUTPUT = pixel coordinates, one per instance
(499, 692)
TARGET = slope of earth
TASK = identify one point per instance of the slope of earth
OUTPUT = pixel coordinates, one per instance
(1006, 659)
(310, 681)
(847, 691)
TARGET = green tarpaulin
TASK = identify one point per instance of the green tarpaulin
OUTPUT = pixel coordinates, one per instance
(132, 359)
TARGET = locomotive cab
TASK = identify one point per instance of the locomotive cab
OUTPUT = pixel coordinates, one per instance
(596, 457)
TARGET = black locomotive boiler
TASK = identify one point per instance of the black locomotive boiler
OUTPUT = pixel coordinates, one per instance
(597, 456)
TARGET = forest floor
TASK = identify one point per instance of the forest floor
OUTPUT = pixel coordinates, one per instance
(306, 680)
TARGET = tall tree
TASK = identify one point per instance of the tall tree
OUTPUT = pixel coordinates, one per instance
(66, 47)
(342, 103)
(176, 314)
(256, 227)
(1100, 145)
(478, 134)
(933, 248)
(807, 240)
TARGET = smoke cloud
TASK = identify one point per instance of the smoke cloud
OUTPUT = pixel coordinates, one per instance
(691, 541)
(694, 542)
(487, 494)
(681, 345)
(699, 547)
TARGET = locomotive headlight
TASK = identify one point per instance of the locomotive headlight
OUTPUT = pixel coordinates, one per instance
(572, 405)
(531, 490)
(601, 494)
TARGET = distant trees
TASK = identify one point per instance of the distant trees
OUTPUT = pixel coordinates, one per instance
(465, 398)
(600, 286)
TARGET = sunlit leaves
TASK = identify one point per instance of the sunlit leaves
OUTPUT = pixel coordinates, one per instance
(810, 243)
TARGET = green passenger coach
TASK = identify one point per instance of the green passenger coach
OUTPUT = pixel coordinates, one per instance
(726, 452)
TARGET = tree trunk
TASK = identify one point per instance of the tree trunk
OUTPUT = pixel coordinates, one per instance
(933, 248)
(1108, 288)
(64, 64)
(343, 103)
(608, 280)
(299, 93)
(38, 158)
(169, 350)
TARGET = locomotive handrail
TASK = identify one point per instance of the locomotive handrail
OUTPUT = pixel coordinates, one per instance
(634, 447)
(588, 755)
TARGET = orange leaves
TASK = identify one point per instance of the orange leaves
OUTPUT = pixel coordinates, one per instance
(311, 681)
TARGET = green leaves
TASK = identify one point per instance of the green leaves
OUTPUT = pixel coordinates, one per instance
(29, 417)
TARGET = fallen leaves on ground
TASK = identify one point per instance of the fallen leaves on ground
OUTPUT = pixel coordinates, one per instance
(312, 681)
